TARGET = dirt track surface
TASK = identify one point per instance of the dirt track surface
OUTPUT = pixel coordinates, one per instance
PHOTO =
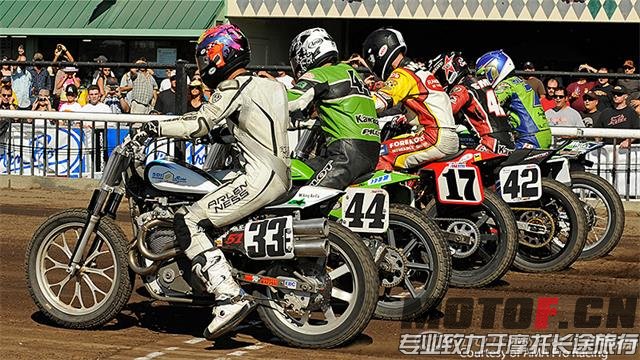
(155, 330)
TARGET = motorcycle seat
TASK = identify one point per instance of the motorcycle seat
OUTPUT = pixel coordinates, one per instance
(362, 178)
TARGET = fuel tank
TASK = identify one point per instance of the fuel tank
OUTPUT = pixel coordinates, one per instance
(179, 177)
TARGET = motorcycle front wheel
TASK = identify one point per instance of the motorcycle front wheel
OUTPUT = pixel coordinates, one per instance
(98, 290)
(346, 308)
(604, 211)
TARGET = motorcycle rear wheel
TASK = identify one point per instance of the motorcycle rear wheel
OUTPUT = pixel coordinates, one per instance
(98, 291)
(566, 243)
(354, 292)
(592, 190)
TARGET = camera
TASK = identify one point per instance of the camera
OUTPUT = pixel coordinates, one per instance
(113, 87)
(42, 99)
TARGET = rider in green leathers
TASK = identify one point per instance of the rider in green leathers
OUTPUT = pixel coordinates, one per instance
(343, 104)
(520, 100)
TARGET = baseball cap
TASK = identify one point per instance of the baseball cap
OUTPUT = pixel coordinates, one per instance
(6, 79)
(70, 69)
(38, 57)
(529, 65)
(590, 95)
(619, 90)
(100, 58)
(71, 89)
(629, 63)
(111, 81)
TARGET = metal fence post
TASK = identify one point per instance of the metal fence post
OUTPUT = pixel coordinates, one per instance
(181, 103)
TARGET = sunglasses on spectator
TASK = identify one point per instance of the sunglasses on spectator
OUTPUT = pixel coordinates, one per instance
(628, 67)
(42, 99)
(6, 95)
(559, 96)
(587, 99)
(194, 87)
(552, 87)
(617, 94)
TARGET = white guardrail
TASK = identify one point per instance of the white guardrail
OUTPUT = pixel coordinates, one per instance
(40, 143)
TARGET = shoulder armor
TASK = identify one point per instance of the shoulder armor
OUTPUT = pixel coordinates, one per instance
(229, 85)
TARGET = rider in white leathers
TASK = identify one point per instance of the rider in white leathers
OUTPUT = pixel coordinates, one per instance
(255, 111)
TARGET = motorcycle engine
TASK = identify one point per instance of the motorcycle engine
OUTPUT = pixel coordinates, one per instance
(162, 239)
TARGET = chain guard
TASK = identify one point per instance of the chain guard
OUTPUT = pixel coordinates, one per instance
(540, 217)
(469, 237)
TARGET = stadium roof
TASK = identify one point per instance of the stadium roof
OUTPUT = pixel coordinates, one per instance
(136, 18)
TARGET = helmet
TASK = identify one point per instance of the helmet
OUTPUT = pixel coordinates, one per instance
(449, 68)
(220, 51)
(380, 48)
(495, 66)
(310, 49)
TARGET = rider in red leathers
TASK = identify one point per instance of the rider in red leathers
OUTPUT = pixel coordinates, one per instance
(474, 103)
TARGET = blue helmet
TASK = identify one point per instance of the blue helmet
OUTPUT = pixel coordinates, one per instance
(495, 66)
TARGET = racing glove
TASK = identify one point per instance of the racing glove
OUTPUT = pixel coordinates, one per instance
(152, 128)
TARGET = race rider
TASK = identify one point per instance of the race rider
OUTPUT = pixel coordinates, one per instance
(474, 103)
(518, 97)
(421, 94)
(343, 104)
(255, 113)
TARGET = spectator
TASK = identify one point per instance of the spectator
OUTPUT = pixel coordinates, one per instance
(42, 101)
(70, 78)
(6, 97)
(166, 103)
(593, 112)
(94, 105)
(562, 114)
(206, 92)
(603, 90)
(632, 85)
(6, 82)
(21, 85)
(71, 96)
(100, 76)
(548, 102)
(40, 78)
(578, 88)
(533, 81)
(196, 96)
(60, 52)
(114, 98)
(6, 69)
(620, 116)
(166, 83)
(21, 55)
(143, 92)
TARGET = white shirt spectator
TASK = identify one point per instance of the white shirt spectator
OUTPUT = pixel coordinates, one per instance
(564, 117)
(97, 108)
(73, 107)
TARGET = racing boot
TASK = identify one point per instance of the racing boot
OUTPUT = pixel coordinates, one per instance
(215, 272)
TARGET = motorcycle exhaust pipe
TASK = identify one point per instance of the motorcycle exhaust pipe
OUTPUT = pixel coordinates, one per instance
(311, 227)
(311, 247)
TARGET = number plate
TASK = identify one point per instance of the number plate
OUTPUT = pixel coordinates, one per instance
(520, 183)
(560, 170)
(270, 238)
(459, 184)
(365, 210)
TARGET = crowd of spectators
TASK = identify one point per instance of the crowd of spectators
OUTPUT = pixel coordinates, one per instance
(135, 91)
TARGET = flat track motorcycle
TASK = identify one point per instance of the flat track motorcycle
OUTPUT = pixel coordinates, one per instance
(313, 281)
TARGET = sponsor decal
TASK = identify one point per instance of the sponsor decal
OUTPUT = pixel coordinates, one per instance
(364, 119)
(394, 75)
(169, 177)
(379, 179)
(370, 132)
(269, 281)
(384, 149)
(215, 97)
(477, 156)
(226, 200)
(296, 202)
(322, 174)
(291, 284)
(234, 238)
(390, 83)
(382, 51)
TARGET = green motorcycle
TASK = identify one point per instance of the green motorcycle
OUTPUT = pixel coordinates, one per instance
(414, 263)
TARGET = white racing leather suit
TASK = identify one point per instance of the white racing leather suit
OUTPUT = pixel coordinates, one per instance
(256, 113)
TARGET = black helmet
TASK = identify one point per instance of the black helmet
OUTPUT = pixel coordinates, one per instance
(449, 68)
(380, 48)
(220, 51)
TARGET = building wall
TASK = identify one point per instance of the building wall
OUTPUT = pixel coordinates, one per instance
(519, 10)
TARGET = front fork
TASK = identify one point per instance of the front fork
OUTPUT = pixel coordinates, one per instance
(96, 210)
